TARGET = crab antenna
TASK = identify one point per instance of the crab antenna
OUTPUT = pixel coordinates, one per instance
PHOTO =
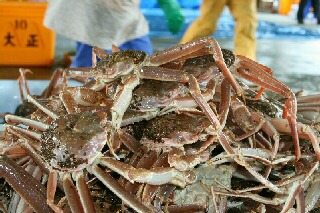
(28, 122)
(43, 108)
(27, 132)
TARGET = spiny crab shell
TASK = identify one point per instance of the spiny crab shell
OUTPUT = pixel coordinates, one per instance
(119, 60)
(73, 140)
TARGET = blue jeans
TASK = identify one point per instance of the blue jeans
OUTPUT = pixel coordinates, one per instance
(83, 57)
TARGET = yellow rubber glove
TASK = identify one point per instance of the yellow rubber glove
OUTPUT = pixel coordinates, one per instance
(172, 11)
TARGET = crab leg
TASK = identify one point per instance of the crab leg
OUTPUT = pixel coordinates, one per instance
(149, 191)
(163, 74)
(146, 162)
(309, 115)
(204, 45)
(309, 108)
(58, 81)
(129, 141)
(17, 130)
(201, 46)
(71, 193)
(154, 176)
(131, 116)
(309, 99)
(23, 83)
(51, 191)
(122, 100)
(298, 187)
(239, 158)
(270, 130)
(300, 202)
(225, 101)
(267, 70)
(28, 122)
(253, 71)
(256, 197)
(35, 157)
(243, 118)
(84, 194)
(36, 173)
(163, 195)
(12, 149)
(219, 202)
(187, 103)
(186, 208)
(182, 162)
(133, 161)
(312, 195)
(196, 94)
(117, 189)
(218, 57)
(41, 107)
(83, 72)
(254, 153)
(24, 184)
(15, 151)
(304, 131)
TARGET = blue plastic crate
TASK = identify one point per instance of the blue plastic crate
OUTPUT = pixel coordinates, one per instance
(148, 3)
(190, 4)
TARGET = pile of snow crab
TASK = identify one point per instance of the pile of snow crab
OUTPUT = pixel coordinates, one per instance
(176, 131)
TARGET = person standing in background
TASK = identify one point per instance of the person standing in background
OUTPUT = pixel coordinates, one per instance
(104, 23)
(316, 10)
(244, 13)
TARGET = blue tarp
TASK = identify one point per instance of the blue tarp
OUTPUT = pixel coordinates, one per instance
(225, 29)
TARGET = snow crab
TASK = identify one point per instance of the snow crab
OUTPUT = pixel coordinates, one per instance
(131, 66)
(172, 132)
(70, 146)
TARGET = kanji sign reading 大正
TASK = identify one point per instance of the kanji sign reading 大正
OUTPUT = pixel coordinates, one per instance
(20, 34)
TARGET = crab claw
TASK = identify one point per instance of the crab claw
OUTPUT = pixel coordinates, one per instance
(256, 73)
